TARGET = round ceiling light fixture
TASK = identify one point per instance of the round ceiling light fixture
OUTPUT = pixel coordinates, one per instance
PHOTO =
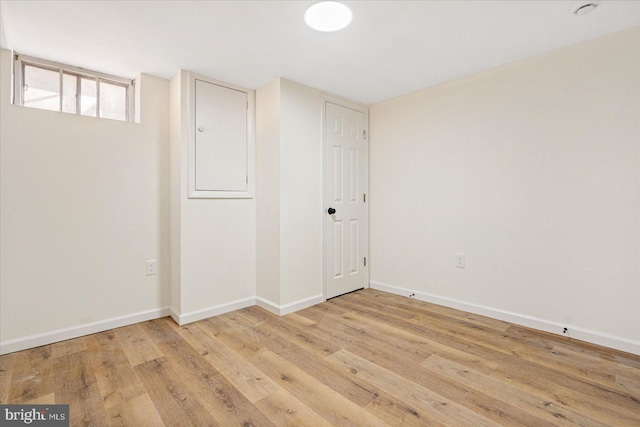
(328, 16)
(584, 8)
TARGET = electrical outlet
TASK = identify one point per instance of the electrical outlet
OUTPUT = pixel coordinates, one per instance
(459, 260)
(152, 266)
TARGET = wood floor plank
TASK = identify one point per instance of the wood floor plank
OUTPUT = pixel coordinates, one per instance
(6, 373)
(76, 385)
(483, 404)
(116, 378)
(591, 399)
(32, 375)
(394, 410)
(138, 411)
(429, 406)
(249, 380)
(355, 336)
(414, 307)
(366, 358)
(43, 400)
(137, 345)
(478, 402)
(554, 412)
(506, 343)
(297, 319)
(630, 385)
(226, 403)
(243, 343)
(171, 396)
(309, 361)
(323, 400)
(283, 409)
(69, 347)
(303, 338)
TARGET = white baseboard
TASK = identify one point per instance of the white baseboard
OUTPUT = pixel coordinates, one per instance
(45, 338)
(281, 310)
(583, 334)
(194, 316)
(174, 315)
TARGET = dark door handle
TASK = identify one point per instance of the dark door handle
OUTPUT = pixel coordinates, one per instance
(331, 211)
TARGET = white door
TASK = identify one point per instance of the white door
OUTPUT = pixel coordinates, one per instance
(344, 195)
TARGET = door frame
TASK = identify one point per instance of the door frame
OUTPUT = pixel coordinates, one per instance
(365, 110)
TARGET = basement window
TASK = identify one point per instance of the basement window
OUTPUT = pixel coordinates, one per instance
(57, 87)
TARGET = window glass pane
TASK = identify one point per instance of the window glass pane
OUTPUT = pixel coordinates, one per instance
(69, 92)
(113, 101)
(88, 97)
(41, 88)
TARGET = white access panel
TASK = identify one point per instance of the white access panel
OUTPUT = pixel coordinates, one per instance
(221, 138)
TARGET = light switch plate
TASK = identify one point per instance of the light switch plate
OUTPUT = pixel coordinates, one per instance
(152, 266)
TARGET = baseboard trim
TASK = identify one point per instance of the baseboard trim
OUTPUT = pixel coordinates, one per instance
(291, 307)
(194, 316)
(582, 334)
(174, 315)
(64, 334)
(37, 340)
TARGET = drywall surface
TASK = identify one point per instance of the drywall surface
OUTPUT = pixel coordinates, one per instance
(268, 192)
(213, 240)
(177, 133)
(84, 203)
(532, 171)
(301, 203)
(289, 194)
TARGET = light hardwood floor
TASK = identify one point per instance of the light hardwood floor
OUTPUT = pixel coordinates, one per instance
(364, 359)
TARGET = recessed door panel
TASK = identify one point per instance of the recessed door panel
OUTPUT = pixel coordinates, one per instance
(338, 239)
(337, 174)
(354, 226)
(353, 175)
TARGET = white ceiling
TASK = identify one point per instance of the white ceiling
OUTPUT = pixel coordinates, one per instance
(391, 48)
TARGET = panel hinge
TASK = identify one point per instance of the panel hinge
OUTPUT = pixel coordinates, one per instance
(364, 198)
(247, 179)
(364, 134)
(365, 261)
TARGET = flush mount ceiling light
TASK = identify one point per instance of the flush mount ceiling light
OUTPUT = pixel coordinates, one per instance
(584, 8)
(328, 16)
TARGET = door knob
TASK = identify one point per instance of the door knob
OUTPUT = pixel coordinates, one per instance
(331, 211)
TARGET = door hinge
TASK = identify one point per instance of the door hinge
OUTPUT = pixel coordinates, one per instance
(364, 134)
(365, 261)
(364, 198)
(247, 179)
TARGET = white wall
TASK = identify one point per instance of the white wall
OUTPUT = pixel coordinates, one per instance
(289, 195)
(301, 184)
(213, 240)
(532, 170)
(84, 203)
(177, 151)
(268, 192)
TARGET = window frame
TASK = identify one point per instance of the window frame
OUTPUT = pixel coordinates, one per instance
(20, 61)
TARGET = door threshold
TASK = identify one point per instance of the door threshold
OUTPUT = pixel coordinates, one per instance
(346, 293)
